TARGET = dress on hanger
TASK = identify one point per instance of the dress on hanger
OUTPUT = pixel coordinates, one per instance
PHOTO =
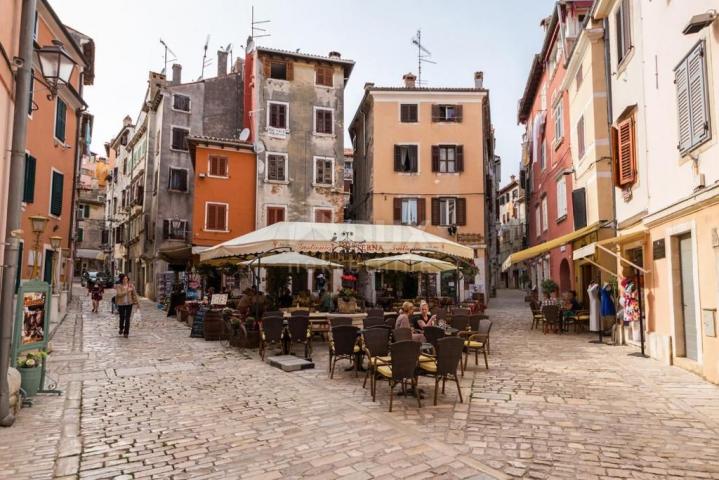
(607, 308)
(594, 307)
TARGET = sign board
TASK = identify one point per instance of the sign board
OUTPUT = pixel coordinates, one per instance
(659, 249)
(584, 252)
(32, 318)
(470, 238)
(219, 299)
(709, 321)
(277, 132)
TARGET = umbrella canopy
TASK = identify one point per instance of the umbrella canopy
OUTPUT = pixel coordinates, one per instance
(410, 262)
(291, 259)
(323, 237)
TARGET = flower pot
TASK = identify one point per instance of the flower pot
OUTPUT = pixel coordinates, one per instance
(30, 380)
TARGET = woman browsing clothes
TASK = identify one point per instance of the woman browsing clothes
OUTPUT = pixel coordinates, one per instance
(125, 297)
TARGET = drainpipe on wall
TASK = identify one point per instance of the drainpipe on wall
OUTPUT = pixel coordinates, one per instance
(14, 202)
(608, 79)
(71, 244)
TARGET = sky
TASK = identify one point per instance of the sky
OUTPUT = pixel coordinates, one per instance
(464, 36)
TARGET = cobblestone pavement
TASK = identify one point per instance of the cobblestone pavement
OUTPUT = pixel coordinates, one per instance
(162, 405)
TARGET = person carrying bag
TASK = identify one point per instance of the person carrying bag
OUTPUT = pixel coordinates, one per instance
(125, 297)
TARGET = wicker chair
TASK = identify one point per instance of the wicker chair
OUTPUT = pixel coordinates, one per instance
(370, 322)
(475, 320)
(300, 331)
(375, 342)
(271, 330)
(478, 342)
(460, 322)
(375, 312)
(402, 334)
(448, 359)
(273, 313)
(460, 311)
(340, 321)
(403, 367)
(551, 318)
(432, 334)
(537, 317)
(343, 345)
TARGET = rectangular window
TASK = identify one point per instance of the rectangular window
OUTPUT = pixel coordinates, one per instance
(561, 197)
(324, 171)
(278, 70)
(409, 113)
(174, 229)
(275, 215)
(324, 120)
(405, 158)
(545, 214)
(446, 113)
(181, 102)
(447, 158)
(218, 166)
(447, 211)
(323, 76)
(178, 180)
(408, 213)
(80, 235)
(538, 220)
(278, 115)
(690, 77)
(56, 193)
(624, 152)
(323, 215)
(276, 167)
(580, 77)
(543, 154)
(216, 217)
(558, 124)
(28, 193)
(83, 211)
(580, 138)
(623, 30)
(60, 116)
(105, 237)
(179, 138)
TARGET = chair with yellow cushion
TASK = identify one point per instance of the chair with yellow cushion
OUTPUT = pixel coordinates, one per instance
(478, 342)
(448, 359)
(403, 367)
(343, 345)
(375, 343)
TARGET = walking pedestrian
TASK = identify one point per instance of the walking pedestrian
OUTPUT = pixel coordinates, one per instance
(96, 295)
(125, 297)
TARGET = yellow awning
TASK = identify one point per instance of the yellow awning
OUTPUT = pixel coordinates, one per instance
(536, 250)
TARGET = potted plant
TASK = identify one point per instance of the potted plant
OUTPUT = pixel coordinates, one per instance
(30, 372)
(549, 286)
(347, 301)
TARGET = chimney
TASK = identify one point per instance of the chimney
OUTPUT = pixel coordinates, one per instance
(512, 177)
(368, 85)
(334, 54)
(409, 80)
(238, 67)
(176, 74)
(221, 63)
(127, 120)
(478, 79)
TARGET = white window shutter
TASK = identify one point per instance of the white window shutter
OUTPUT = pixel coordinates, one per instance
(696, 73)
(681, 80)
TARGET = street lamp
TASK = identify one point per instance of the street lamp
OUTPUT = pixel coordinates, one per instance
(55, 244)
(56, 66)
(38, 223)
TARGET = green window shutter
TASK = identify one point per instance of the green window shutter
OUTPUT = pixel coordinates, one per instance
(56, 194)
(79, 236)
(19, 265)
(28, 193)
(682, 82)
(60, 114)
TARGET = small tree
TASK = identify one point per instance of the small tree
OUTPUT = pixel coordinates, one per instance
(549, 286)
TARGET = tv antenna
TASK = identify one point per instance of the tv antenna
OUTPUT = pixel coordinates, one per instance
(423, 55)
(256, 28)
(228, 50)
(167, 50)
(205, 61)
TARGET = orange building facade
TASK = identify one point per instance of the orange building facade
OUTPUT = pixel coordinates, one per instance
(224, 189)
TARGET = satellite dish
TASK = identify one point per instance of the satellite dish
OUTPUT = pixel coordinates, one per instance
(259, 146)
(244, 134)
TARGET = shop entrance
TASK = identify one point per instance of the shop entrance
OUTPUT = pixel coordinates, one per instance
(688, 319)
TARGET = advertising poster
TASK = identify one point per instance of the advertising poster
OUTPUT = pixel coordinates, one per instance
(33, 326)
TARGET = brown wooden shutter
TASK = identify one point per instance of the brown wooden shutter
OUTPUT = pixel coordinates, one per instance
(435, 211)
(459, 113)
(626, 158)
(435, 113)
(397, 210)
(435, 158)
(165, 229)
(210, 218)
(397, 158)
(461, 211)
(421, 211)
(460, 158)
(615, 154)
(267, 67)
(290, 71)
(222, 217)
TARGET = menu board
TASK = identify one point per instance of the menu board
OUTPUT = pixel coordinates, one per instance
(198, 325)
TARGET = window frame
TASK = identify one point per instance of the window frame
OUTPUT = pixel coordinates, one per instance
(227, 166)
(54, 170)
(558, 117)
(189, 103)
(317, 109)
(172, 134)
(538, 220)
(286, 128)
(325, 69)
(322, 209)
(623, 32)
(418, 162)
(227, 217)
(562, 205)
(581, 145)
(447, 147)
(444, 210)
(416, 210)
(705, 101)
(169, 179)
(278, 207)
(444, 119)
(278, 62)
(267, 167)
(54, 123)
(169, 235)
(317, 158)
(545, 213)
(416, 106)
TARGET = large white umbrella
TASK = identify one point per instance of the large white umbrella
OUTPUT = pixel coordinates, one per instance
(410, 262)
(290, 259)
(323, 237)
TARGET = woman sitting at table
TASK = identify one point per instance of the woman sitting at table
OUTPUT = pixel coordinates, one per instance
(403, 321)
(425, 319)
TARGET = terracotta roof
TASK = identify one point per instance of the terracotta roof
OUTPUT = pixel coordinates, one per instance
(348, 64)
